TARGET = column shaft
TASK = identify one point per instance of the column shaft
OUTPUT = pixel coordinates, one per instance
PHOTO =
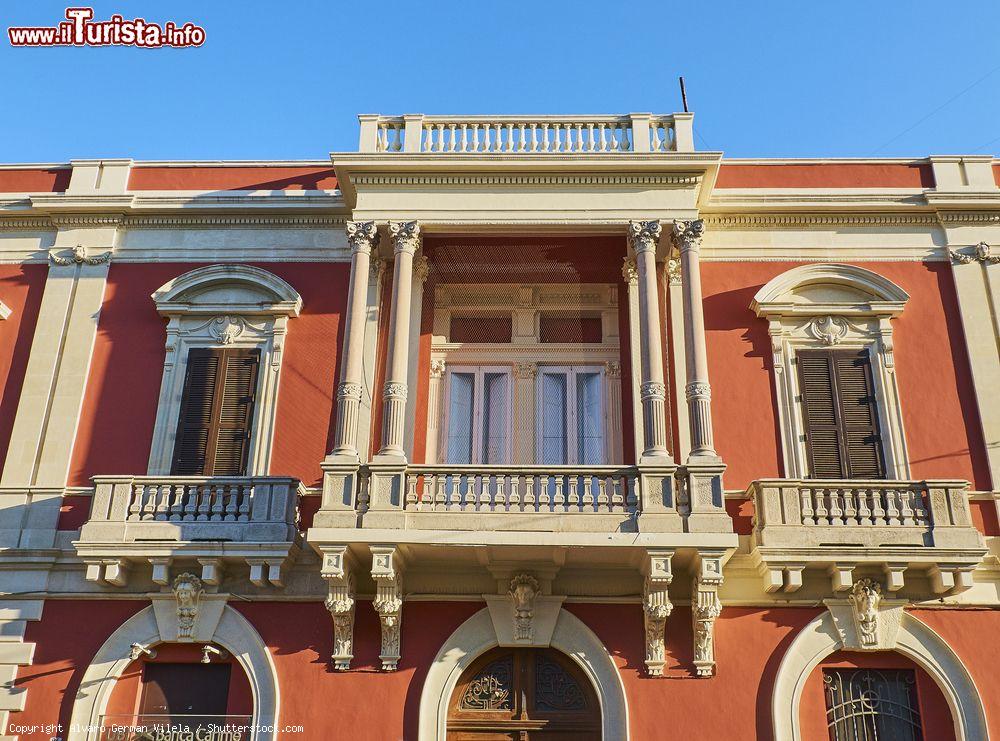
(406, 240)
(644, 236)
(363, 237)
(687, 236)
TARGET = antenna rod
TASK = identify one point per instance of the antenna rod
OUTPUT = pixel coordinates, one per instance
(684, 96)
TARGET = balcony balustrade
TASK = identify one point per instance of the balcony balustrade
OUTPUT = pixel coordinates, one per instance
(841, 525)
(149, 517)
(637, 132)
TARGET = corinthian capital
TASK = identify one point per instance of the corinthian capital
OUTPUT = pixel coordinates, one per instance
(362, 235)
(687, 234)
(405, 236)
(643, 236)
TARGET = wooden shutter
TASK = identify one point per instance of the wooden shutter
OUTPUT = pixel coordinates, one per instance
(213, 430)
(841, 419)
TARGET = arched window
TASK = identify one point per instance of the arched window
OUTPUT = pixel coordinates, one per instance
(523, 693)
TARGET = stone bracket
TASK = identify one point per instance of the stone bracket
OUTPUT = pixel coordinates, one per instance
(337, 569)
(705, 608)
(656, 607)
(387, 573)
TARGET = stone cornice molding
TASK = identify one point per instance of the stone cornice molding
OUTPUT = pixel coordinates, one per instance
(820, 220)
(527, 179)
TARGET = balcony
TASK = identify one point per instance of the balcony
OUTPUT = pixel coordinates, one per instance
(922, 528)
(570, 135)
(136, 519)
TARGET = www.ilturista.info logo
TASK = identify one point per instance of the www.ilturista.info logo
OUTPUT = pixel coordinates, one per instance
(79, 29)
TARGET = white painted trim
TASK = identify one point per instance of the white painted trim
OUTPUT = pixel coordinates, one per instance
(255, 302)
(915, 640)
(233, 632)
(5, 311)
(477, 635)
(861, 320)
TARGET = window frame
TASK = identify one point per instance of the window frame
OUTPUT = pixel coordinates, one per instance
(833, 306)
(222, 307)
(572, 443)
(478, 399)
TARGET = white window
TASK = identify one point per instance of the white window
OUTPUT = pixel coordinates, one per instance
(478, 415)
(571, 415)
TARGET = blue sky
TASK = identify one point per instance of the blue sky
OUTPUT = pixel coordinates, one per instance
(286, 80)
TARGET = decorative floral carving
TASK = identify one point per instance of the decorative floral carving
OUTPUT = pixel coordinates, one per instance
(982, 252)
(362, 235)
(652, 390)
(674, 271)
(79, 255)
(643, 236)
(525, 370)
(340, 603)
(698, 390)
(421, 268)
(687, 234)
(492, 688)
(405, 236)
(829, 329)
(437, 368)
(866, 595)
(630, 272)
(613, 369)
(523, 590)
(395, 391)
(187, 591)
(227, 329)
(350, 390)
(656, 608)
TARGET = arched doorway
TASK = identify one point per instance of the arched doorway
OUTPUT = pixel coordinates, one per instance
(524, 694)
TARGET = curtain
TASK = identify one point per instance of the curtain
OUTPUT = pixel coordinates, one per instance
(589, 423)
(554, 410)
(460, 410)
(495, 422)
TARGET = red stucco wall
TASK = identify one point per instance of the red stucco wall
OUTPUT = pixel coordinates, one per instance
(35, 180)
(941, 421)
(21, 288)
(232, 178)
(119, 409)
(826, 175)
(367, 704)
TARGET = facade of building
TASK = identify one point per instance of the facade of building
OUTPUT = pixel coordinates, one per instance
(501, 427)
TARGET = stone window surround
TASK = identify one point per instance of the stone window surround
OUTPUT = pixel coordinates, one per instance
(215, 307)
(855, 314)
(525, 353)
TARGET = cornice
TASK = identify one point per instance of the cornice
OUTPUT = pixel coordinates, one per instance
(969, 217)
(817, 220)
(233, 221)
(522, 179)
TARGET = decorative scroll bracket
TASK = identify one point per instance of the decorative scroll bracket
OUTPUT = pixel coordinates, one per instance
(705, 608)
(388, 577)
(656, 607)
(337, 570)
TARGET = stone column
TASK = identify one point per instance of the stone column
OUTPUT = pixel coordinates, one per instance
(705, 506)
(643, 238)
(687, 236)
(405, 242)
(421, 269)
(363, 238)
(388, 468)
